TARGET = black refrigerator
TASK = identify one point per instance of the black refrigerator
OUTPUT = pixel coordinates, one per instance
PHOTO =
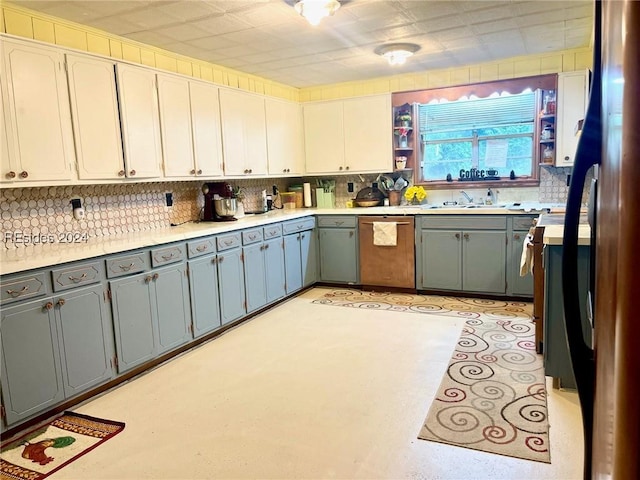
(608, 375)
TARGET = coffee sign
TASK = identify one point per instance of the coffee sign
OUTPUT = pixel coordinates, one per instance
(474, 174)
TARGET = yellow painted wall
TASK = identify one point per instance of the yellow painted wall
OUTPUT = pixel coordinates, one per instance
(29, 24)
(26, 23)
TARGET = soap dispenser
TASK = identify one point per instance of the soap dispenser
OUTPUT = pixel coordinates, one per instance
(489, 200)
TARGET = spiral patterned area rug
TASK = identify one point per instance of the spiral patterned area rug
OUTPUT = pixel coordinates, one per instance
(493, 396)
(43, 451)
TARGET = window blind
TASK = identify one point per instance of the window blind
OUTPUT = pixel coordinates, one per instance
(478, 113)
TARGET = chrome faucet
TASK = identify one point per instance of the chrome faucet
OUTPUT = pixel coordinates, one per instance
(466, 195)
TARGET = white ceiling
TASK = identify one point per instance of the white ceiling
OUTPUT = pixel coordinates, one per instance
(269, 39)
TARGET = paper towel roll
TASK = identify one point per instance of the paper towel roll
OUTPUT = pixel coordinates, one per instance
(306, 190)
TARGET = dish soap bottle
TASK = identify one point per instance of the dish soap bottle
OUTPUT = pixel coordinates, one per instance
(489, 199)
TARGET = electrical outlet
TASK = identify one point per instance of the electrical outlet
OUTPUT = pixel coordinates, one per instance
(568, 180)
(350, 187)
(78, 211)
(168, 196)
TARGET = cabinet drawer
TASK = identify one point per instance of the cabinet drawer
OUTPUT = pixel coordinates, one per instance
(75, 276)
(272, 231)
(522, 223)
(201, 247)
(294, 226)
(19, 288)
(126, 264)
(463, 222)
(230, 240)
(252, 236)
(337, 221)
(167, 255)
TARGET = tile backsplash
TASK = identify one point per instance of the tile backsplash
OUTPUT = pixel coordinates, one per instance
(123, 208)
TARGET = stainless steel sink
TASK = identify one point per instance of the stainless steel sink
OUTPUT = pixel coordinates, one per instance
(486, 206)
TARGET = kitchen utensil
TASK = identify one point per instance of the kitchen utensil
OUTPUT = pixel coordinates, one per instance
(400, 184)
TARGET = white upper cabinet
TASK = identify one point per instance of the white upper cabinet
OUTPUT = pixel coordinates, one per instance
(571, 105)
(244, 133)
(284, 137)
(96, 122)
(368, 145)
(207, 133)
(39, 133)
(353, 135)
(140, 121)
(324, 137)
(175, 126)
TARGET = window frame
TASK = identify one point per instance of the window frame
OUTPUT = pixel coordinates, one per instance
(480, 90)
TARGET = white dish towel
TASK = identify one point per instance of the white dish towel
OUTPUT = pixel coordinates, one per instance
(526, 259)
(385, 234)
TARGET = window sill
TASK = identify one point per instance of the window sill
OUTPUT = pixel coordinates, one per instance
(456, 184)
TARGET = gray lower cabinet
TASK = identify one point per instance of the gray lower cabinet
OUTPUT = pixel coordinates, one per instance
(86, 348)
(255, 276)
(466, 253)
(338, 255)
(151, 314)
(31, 369)
(134, 324)
(205, 302)
(300, 253)
(231, 284)
(557, 362)
(274, 266)
(293, 262)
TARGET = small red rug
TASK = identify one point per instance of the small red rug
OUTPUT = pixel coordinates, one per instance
(40, 452)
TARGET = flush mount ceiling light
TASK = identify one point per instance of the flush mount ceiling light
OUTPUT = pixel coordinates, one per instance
(397, 53)
(316, 10)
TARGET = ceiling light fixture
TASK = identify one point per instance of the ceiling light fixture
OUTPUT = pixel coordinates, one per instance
(316, 10)
(397, 53)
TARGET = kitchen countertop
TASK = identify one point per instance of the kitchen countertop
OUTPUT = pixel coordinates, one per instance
(554, 229)
(29, 257)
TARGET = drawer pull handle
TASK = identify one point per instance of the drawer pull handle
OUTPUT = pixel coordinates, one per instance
(60, 302)
(339, 223)
(201, 248)
(48, 306)
(155, 276)
(126, 268)
(78, 279)
(228, 242)
(168, 257)
(252, 236)
(17, 293)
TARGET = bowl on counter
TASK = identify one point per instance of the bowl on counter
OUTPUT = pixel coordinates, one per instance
(366, 202)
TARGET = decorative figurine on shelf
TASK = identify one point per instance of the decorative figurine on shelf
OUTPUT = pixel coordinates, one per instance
(403, 117)
(512, 175)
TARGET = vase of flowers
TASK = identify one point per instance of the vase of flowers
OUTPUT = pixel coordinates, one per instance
(402, 133)
(415, 194)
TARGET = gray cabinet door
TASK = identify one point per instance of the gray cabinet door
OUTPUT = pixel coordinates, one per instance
(338, 255)
(254, 276)
(309, 257)
(441, 265)
(171, 292)
(133, 320)
(231, 284)
(31, 371)
(85, 334)
(274, 269)
(520, 286)
(205, 303)
(484, 257)
(292, 262)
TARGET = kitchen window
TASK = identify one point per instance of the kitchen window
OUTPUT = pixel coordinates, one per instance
(492, 135)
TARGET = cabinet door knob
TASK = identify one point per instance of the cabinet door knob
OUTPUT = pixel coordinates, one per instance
(266, 247)
(220, 259)
(121, 173)
(24, 174)
(251, 170)
(340, 168)
(466, 236)
(193, 171)
(302, 235)
(284, 170)
(214, 260)
(11, 174)
(60, 302)
(199, 172)
(458, 236)
(347, 167)
(147, 279)
(48, 306)
(155, 276)
(132, 172)
(351, 234)
(566, 158)
(516, 237)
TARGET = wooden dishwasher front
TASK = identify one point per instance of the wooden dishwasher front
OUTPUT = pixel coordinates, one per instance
(388, 266)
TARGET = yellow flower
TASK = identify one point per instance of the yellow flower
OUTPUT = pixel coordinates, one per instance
(416, 191)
